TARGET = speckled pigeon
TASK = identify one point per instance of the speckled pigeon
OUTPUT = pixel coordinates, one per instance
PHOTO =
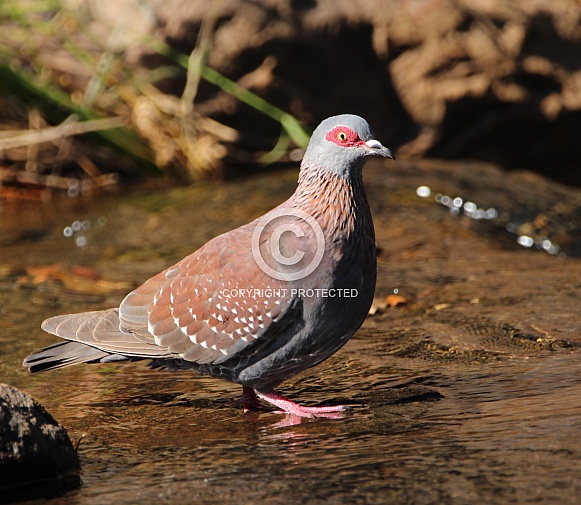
(261, 303)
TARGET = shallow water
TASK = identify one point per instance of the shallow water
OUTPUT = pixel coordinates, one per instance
(467, 391)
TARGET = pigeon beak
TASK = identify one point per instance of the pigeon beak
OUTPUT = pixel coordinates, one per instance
(375, 148)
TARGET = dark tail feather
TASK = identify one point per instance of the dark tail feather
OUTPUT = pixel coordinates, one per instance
(64, 354)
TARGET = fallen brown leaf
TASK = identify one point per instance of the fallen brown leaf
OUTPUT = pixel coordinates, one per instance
(79, 279)
(395, 300)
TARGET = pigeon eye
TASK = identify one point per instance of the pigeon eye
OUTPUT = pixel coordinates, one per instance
(343, 136)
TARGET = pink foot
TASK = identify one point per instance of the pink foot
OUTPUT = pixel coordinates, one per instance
(249, 400)
(294, 409)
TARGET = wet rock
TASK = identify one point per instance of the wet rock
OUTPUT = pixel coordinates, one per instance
(37, 459)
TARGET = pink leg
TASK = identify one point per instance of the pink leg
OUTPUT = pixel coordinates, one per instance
(249, 400)
(289, 407)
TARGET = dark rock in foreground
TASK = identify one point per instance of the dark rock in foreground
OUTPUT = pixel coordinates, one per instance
(37, 458)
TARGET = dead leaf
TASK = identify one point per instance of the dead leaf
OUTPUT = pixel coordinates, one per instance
(395, 300)
(78, 278)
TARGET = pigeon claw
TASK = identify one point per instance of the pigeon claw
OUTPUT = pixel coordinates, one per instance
(289, 407)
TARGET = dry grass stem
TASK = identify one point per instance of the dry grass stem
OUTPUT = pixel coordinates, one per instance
(11, 139)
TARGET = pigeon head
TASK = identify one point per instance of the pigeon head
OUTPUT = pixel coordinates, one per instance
(341, 144)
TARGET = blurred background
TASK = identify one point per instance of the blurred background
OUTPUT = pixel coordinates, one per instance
(94, 94)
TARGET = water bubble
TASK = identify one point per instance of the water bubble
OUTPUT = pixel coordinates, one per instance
(68, 231)
(470, 207)
(395, 291)
(77, 225)
(457, 202)
(86, 224)
(86, 185)
(423, 191)
(81, 241)
(525, 241)
(102, 221)
(73, 190)
(548, 246)
(491, 213)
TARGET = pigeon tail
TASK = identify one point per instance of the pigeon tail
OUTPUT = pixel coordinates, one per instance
(63, 354)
